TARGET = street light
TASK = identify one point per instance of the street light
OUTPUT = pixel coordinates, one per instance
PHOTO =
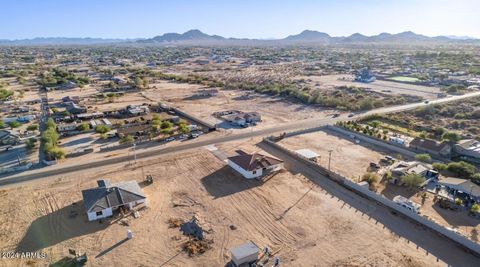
(329, 158)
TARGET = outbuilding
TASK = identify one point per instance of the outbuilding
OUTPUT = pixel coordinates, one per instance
(245, 254)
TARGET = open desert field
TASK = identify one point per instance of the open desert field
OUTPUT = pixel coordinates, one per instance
(381, 86)
(274, 110)
(348, 159)
(231, 209)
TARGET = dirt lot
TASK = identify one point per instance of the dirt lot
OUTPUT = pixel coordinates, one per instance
(197, 183)
(389, 87)
(273, 110)
(348, 159)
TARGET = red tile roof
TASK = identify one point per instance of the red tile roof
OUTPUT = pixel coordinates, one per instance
(255, 161)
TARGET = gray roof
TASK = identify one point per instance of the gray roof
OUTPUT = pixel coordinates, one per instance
(244, 250)
(100, 198)
(463, 185)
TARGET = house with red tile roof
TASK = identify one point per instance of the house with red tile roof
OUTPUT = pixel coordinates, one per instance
(254, 165)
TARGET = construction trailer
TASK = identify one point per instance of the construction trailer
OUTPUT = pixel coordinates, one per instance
(245, 254)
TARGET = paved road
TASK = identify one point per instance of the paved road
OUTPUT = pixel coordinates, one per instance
(426, 240)
(204, 141)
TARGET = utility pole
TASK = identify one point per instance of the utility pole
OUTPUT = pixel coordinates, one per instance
(329, 158)
(134, 153)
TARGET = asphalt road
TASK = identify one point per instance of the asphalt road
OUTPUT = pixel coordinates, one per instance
(205, 140)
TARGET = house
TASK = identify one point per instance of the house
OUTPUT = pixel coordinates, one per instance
(235, 119)
(88, 116)
(245, 254)
(254, 165)
(137, 110)
(26, 118)
(8, 138)
(432, 147)
(74, 99)
(365, 76)
(73, 108)
(66, 127)
(240, 118)
(461, 186)
(252, 117)
(469, 148)
(102, 201)
(402, 168)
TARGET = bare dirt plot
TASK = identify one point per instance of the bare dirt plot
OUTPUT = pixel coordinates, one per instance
(273, 214)
(348, 159)
(274, 110)
(388, 87)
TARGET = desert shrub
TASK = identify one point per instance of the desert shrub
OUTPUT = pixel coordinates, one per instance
(439, 166)
(423, 157)
(462, 169)
(101, 129)
(370, 178)
(412, 180)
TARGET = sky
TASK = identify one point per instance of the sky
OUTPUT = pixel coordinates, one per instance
(262, 19)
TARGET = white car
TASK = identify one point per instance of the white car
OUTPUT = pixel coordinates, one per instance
(170, 139)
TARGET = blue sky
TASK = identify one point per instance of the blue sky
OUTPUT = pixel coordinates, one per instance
(234, 18)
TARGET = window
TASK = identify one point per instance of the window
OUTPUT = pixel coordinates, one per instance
(99, 213)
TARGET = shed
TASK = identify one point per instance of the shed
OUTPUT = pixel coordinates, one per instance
(245, 253)
(307, 153)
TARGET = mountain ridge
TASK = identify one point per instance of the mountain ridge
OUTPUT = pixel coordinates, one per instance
(196, 36)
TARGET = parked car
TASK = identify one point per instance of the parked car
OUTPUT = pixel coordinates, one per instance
(183, 136)
(351, 115)
(169, 139)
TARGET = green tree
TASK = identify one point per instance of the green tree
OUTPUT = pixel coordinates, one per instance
(451, 136)
(462, 169)
(14, 124)
(371, 178)
(423, 157)
(166, 125)
(30, 143)
(412, 180)
(83, 127)
(439, 166)
(50, 123)
(2, 124)
(475, 208)
(127, 139)
(183, 128)
(476, 178)
(101, 129)
(32, 127)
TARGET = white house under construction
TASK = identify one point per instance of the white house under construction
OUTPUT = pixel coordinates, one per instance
(100, 202)
(254, 165)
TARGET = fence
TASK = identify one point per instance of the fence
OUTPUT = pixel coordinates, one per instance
(368, 139)
(16, 168)
(203, 123)
(459, 239)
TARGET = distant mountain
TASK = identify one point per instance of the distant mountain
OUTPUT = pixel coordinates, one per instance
(189, 36)
(355, 38)
(308, 37)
